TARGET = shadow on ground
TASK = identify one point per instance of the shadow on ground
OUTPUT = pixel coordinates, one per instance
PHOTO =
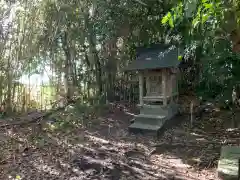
(102, 148)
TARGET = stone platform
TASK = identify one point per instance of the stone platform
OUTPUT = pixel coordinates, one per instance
(228, 164)
(152, 118)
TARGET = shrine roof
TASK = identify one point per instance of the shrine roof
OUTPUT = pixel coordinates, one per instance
(155, 57)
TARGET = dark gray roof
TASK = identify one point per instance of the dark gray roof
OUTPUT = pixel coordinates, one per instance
(155, 57)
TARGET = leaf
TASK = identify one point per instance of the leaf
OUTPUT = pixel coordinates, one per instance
(204, 18)
(166, 18)
(175, 16)
(208, 6)
(171, 22)
(195, 22)
(180, 58)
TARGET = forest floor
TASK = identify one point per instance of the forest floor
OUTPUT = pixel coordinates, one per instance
(68, 147)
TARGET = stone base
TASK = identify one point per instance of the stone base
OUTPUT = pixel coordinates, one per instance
(152, 118)
(228, 164)
(147, 123)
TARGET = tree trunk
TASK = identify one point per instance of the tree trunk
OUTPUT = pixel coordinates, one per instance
(111, 76)
(1, 88)
(91, 37)
(9, 88)
(68, 71)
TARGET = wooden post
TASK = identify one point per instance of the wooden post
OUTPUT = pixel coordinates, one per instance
(171, 86)
(164, 87)
(148, 83)
(141, 88)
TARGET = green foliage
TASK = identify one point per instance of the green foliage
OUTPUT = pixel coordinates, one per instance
(180, 58)
(166, 18)
(173, 16)
(207, 24)
(80, 41)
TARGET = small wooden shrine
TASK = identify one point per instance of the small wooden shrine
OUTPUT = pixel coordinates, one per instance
(157, 68)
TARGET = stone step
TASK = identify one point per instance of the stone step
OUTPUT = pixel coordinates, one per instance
(153, 106)
(150, 119)
(150, 116)
(154, 109)
(145, 126)
(228, 164)
(152, 112)
(137, 127)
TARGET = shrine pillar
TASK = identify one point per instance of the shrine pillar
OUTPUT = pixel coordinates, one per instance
(140, 88)
(164, 86)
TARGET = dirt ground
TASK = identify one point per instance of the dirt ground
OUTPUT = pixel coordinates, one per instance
(89, 147)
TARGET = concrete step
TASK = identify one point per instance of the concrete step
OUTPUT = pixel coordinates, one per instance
(151, 116)
(153, 106)
(137, 127)
(154, 109)
(150, 119)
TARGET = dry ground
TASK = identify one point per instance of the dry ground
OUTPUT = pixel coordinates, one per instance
(74, 147)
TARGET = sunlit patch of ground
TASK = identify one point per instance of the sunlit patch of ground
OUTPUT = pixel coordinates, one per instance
(102, 148)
